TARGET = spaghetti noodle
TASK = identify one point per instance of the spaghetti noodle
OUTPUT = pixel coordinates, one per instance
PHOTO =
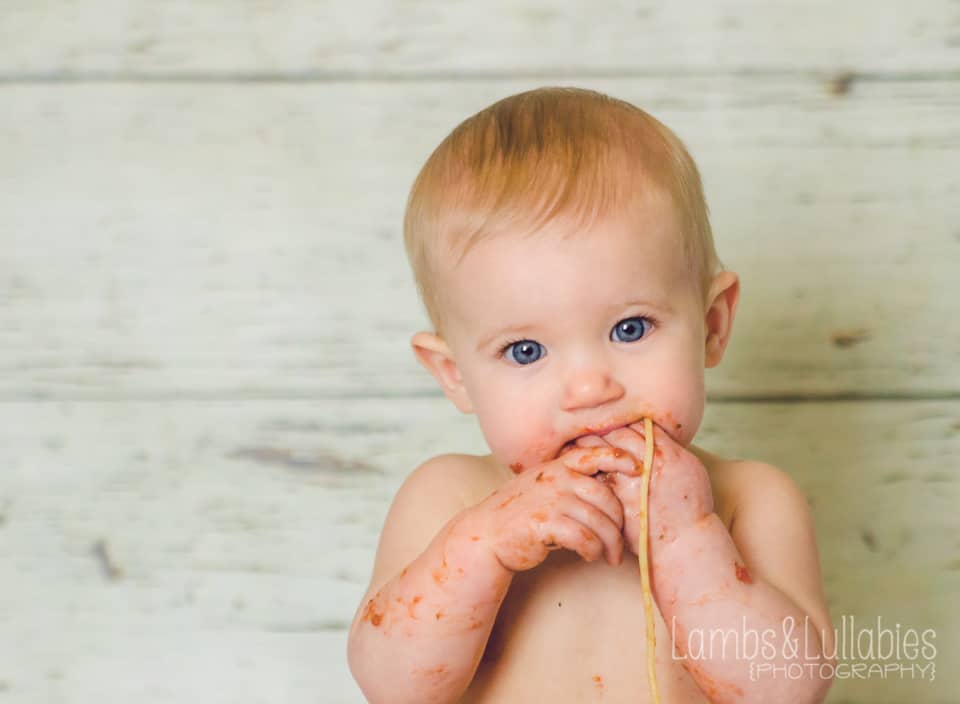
(644, 562)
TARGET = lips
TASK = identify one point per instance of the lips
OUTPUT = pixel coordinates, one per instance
(603, 430)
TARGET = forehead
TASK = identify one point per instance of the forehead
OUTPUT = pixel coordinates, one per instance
(531, 279)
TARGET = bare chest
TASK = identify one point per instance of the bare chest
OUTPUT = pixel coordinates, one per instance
(572, 631)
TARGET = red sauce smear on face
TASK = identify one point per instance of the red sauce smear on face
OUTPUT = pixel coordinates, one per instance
(598, 680)
(742, 574)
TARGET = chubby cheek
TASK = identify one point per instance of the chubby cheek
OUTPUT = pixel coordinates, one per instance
(681, 421)
(678, 401)
(517, 432)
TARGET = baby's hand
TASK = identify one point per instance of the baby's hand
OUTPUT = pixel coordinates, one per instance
(557, 504)
(680, 491)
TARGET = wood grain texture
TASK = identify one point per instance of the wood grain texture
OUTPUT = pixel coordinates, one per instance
(184, 241)
(165, 551)
(284, 39)
(207, 397)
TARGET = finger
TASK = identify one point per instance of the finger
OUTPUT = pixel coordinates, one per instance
(569, 533)
(660, 436)
(640, 427)
(598, 523)
(629, 440)
(594, 490)
(590, 460)
(623, 438)
(597, 441)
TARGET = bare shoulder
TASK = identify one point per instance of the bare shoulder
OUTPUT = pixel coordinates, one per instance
(742, 484)
(763, 488)
(435, 492)
(728, 480)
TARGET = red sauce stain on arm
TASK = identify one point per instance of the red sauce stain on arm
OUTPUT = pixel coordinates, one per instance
(413, 602)
(517, 467)
(371, 614)
(742, 573)
(435, 675)
(508, 500)
(712, 687)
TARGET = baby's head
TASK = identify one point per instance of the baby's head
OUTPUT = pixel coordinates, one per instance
(561, 245)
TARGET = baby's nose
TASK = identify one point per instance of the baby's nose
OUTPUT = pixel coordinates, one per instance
(591, 386)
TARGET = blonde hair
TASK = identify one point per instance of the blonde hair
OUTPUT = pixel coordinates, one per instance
(540, 155)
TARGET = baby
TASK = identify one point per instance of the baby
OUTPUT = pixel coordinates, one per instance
(562, 249)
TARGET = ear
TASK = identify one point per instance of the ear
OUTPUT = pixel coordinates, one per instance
(435, 355)
(721, 307)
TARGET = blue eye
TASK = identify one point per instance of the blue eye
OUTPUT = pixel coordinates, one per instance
(632, 329)
(526, 351)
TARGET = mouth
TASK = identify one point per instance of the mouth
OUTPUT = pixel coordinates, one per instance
(599, 430)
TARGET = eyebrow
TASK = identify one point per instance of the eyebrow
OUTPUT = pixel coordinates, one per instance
(490, 337)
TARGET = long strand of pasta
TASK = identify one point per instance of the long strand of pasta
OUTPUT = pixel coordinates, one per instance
(644, 563)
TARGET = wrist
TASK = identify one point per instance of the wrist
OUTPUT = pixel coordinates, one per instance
(470, 542)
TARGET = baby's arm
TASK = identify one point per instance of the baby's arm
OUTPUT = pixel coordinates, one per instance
(421, 636)
(766, 596)
(421, 629)
(757, 579)
(715, 587)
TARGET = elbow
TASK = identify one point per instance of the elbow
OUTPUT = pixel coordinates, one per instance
(373, 674)
(359, 659)
(814, 686)
(823, 680)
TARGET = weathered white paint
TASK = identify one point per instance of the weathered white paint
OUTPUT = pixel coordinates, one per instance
(239, 536)
(410, 38)
(170, 241)
(205, 307)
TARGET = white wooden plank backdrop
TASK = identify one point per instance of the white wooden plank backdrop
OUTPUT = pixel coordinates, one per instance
(289, 38)
(209, 399)
(225, 240)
